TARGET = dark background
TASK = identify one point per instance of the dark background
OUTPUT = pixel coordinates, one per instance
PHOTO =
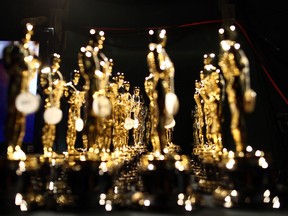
(192, 30)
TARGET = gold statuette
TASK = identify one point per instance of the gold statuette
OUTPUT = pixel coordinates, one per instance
(241, 98)
(21, 65)
(76, 99)
(159, 87)
(53, 84)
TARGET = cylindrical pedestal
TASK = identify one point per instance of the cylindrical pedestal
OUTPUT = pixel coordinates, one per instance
(8, 186)
(91, 184)
(247, 182)
(166, 184)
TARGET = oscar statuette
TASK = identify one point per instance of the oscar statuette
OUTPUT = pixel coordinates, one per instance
(22, 174)
(207, 122)
(246, 173)
(165, 172)
(90, 169)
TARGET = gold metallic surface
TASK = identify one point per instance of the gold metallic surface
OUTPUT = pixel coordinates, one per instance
(53, 85)
(158, 84)
(21, 69)
(235, 67)
(76, 99)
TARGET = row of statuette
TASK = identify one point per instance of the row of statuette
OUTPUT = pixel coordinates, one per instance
(120, 151)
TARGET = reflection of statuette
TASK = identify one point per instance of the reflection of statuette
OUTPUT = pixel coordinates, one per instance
(249, 100)
(171, 103)
(53, 115)
(136, 123)
(79, 124)
(171, 124)
(102, 106)
(27, 103)
(129, 123)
